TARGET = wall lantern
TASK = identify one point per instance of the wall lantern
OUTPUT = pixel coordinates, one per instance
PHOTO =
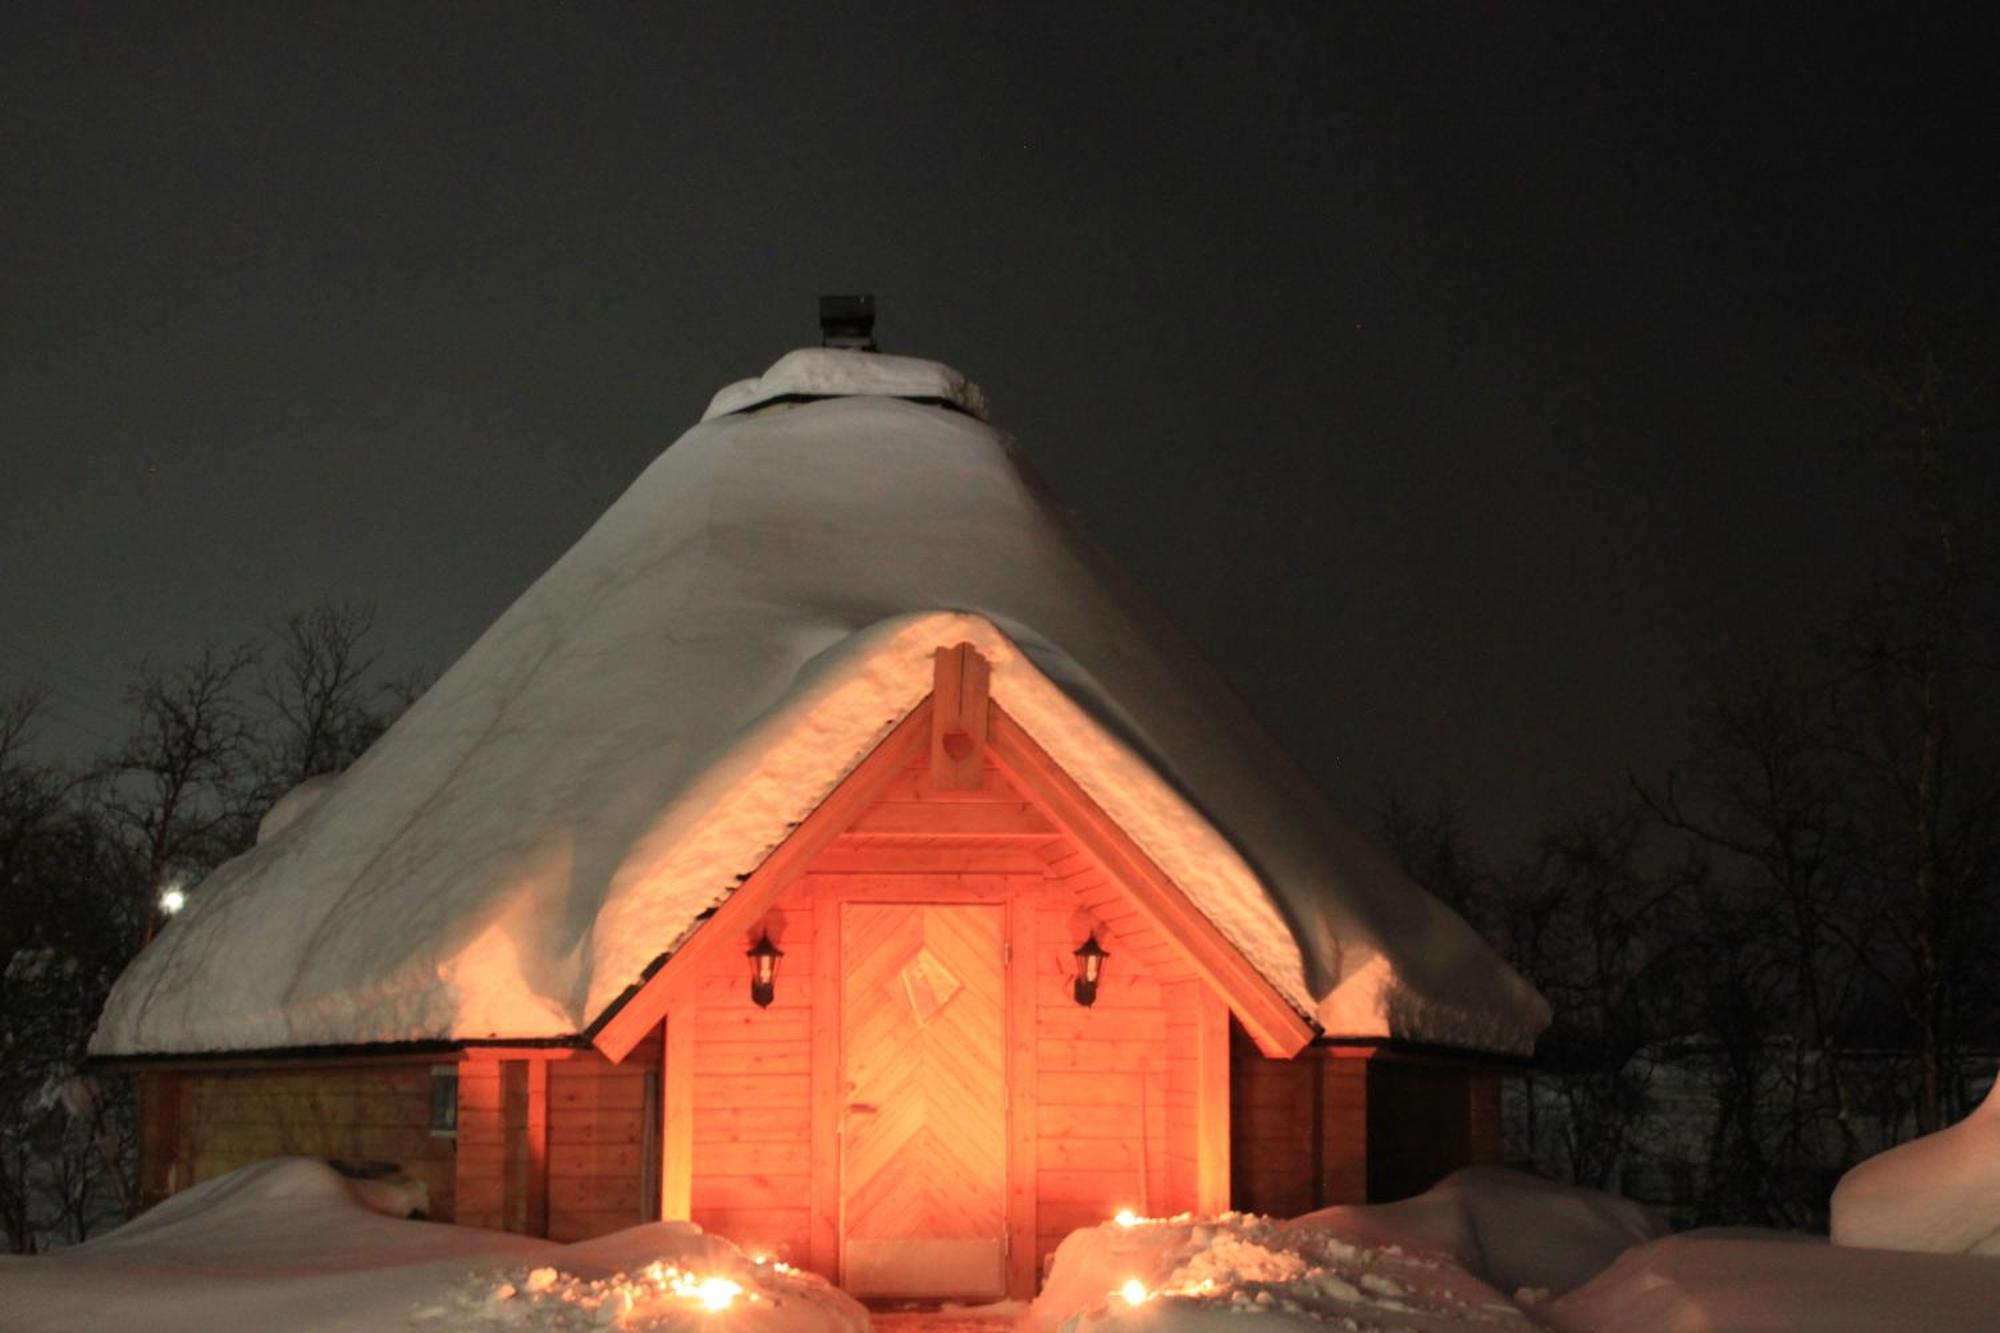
(764, 956)
(1090, 956)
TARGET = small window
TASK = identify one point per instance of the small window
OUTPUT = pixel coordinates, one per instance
(444, 1101)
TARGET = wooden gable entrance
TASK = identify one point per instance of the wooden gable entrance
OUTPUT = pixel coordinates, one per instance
(924, 1109)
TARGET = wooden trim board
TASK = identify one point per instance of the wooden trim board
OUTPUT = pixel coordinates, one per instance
(1278, 1029)
(730, 922)
(677, 1116)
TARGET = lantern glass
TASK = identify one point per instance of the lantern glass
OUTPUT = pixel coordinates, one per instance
(764, 956)
(1090, 956)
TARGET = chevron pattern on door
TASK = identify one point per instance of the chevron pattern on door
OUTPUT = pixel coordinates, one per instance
(924, 1145)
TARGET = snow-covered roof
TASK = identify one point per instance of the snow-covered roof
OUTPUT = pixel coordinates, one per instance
(631, 737)
(820, 372)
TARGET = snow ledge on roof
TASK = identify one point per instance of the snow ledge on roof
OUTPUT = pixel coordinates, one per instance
(826, 372)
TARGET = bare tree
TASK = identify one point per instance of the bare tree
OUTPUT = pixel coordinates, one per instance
(317, 684)
(1912, 652)
(83, 860)
(67, 922)
(1773, 803)
(1592, 918)
(179, 788)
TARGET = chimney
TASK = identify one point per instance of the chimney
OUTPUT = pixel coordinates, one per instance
(847, 321)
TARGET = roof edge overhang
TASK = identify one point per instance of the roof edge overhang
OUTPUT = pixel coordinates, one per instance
(855, 698)
(1401, 1050)
(354, 1052)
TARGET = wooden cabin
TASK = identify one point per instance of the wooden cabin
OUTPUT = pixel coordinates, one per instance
(962, 1004)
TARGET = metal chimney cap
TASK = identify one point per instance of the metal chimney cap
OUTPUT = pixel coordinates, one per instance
(848, 322)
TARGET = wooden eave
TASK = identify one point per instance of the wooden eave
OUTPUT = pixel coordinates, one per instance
(1277, 1027)
(955, 726)
(359, 1053)
(640, 1011)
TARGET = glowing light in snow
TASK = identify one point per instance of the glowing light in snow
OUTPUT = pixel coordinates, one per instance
(717, 1293)
(1134, 1291)
(173, 899)
(1127, 1218)
(649, 1295)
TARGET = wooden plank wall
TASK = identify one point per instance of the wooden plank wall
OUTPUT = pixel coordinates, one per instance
(486, 1150)
(162, 1168)
(1183, 1182)
(751, 1177)
(558, 1146)
(1117, 1093)
(1275, 1138)
(1419, 1125)
(364, 1113)
(1343, 1112)
(1354, 1125)
(598, 1142)
(1487, 1131)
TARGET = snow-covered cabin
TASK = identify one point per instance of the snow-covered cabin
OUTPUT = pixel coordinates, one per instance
(835, 691)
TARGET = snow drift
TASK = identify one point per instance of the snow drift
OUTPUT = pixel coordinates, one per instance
(1447, 1259)
(288, 1244)
(653, 716)
(1939, 1193)
(1511, 1229)
(1703, 1283)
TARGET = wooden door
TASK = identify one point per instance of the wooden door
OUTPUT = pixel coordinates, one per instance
(924, 1128)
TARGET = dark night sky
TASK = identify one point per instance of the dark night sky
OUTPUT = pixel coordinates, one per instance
(1463, 378)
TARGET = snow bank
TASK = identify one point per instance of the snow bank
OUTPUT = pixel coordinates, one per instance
(1939, 1193)
(1192, 1274)
(288, 1244)
(1446, 1259)
(1515, 1231)
(701, 1285)
(1703, 1283)
(660, 709)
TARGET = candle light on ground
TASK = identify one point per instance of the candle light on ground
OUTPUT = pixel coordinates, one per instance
(1134, 1291)
(717, 1293)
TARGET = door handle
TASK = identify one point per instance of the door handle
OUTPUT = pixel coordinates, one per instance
(862, 1108)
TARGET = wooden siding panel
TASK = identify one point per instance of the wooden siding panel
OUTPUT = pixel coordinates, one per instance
(362, 1113)
(1343, 1172)
(1419, 1125)
(597, 1146)
(750, 1132)
(1274, 1130)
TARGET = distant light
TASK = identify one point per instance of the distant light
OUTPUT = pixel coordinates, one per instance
(1127, 1218)
(1134, 1291)
(173, 900)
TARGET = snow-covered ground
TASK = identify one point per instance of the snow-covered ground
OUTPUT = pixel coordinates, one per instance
(291, 1245)
(1939, 1193)
(1484, 1249)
